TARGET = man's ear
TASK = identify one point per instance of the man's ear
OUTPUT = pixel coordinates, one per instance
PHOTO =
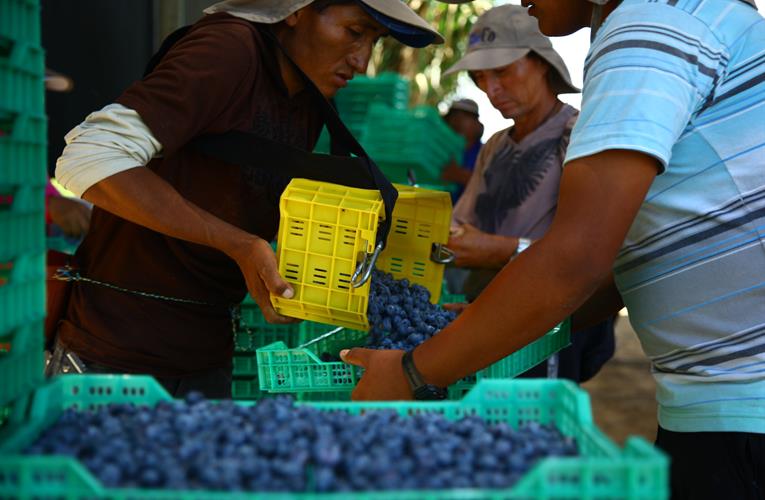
(293, 19)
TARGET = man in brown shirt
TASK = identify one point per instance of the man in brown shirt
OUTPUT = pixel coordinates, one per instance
(173, 246)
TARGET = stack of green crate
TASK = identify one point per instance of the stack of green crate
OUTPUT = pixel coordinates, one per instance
(353, 102)
(413, 140)
(22, 206)
(253, 331)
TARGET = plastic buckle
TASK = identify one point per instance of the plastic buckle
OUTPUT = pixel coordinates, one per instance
(364, 270)
(440, 254)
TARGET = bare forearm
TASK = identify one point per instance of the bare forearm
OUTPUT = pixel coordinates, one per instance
(142, 197)
(597, 205)
(530, 296)
(604, 303)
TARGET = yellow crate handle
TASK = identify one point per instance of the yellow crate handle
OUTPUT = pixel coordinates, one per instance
(440, 254)
(364, 270)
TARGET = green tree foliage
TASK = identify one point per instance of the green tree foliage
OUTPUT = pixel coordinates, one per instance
(424, 67)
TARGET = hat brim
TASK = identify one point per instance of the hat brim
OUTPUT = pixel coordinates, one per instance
(487, 59)
(564, 84)
(401, 12)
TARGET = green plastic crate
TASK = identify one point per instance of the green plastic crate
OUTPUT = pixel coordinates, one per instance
(452, 298)
(20, 20)
(22, 221)
(244, 389)
(21, 76)
(282, 369)
(394, 139)
(300, 369)
(390, 89)
(251, 317)
(23, 149)
(21, 361)
(22, 292)
(603, 471)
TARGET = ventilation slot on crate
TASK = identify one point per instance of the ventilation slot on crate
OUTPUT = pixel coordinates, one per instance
(424, 231)
(349, 237)
(7, 121)
(325, 232)
(396, 265)
(418, 269)
(344, 281)
(401, 226)
(292, 273)
(297, 228)
(319, 276)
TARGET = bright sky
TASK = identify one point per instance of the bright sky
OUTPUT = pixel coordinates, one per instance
(572, 49)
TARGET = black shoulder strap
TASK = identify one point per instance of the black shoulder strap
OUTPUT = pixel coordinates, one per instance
(246, 149)
(342, 138)
(167, 44)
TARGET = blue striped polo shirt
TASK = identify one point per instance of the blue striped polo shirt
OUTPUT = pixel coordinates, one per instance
(684, 81)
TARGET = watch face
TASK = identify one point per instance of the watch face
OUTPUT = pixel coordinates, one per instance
(429, 393)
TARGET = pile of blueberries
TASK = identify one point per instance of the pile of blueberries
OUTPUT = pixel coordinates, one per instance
(400, 313)
(275, 445)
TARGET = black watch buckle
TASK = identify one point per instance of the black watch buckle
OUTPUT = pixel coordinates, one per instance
(421, 390)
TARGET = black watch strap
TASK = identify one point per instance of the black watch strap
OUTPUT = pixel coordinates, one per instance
(421, 390)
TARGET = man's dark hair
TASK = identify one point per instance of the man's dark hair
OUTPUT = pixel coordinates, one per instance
(554, 80)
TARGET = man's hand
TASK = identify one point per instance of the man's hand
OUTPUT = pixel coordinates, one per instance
(72, 216)
(383, 378)
(456, 307)
(141, 196)
(476, 249)
(546, 283)
(258, 263)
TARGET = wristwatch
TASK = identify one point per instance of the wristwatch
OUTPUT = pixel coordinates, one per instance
(421, 390)
(523, 244)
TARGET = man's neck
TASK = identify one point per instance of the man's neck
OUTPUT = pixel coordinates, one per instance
(526, 124)
(599, 15)
(292, 80)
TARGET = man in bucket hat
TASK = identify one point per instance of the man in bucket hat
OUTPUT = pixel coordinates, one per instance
(662, 209)
(177, 235)
(511, 199)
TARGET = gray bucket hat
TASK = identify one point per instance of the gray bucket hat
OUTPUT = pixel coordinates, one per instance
(466, 105)
(505, 34)
(404, 23)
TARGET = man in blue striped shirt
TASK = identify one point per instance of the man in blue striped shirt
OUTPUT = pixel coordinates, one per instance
(664, 188)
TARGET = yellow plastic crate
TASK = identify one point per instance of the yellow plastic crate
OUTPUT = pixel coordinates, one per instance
(325, 230)
(421, 219)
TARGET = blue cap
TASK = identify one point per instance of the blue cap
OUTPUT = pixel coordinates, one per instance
(404, 33)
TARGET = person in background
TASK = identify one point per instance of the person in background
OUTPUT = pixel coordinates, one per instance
(463, 118)
(661, 210)
(64, 215)
(511, 199)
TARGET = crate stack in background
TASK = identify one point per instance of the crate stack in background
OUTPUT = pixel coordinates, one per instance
(254, 332)
(22, 206)
(413, 143)
(409, 144)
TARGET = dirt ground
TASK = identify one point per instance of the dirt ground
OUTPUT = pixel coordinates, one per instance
(623, 401)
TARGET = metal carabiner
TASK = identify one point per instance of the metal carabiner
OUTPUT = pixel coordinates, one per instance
(366, 267)
(440, 254)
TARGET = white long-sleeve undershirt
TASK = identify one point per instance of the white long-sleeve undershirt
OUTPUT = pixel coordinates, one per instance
(109, 141)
